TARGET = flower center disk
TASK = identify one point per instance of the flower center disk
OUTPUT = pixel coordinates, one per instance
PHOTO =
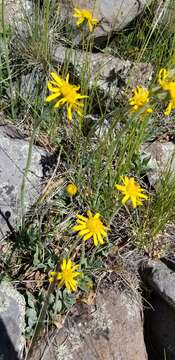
(94, 225)
(132, 189)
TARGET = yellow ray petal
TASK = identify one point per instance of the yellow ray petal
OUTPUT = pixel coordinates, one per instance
(53, 88)
(82, 218)
(81, 222)
(83, 232)
(57, 78)
(90, 26)
(104, 233)
(60, 102)
(134, 201)
(60, 284)
(125, 199)
(59, 276)
(79, 227)
(95, 239)
(87, 237)
(52, 97)
(67, 78)
(120, 187)
(80, 21)
(63, 265)
(89, 213)
(100, 239)
(73, 285)
(77, 11)
(75, 267)
(75, 274)
(69, 112)
(67, 285)
(143, 196)
(69, 264)
(52, 273)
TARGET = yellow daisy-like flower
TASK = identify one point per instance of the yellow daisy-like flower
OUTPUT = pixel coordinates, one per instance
(67, 93)
(131, 191)
(85, 15)
(71, 189)
(164, 79)
(91, 226)
(167, 84)
(67, 276)
(140, 99)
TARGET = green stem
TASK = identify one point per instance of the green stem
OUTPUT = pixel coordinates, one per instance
(93, 255)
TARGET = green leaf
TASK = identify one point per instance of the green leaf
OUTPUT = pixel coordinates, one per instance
(85, 283)
(68, 299)
(57, 306)
(30, 299)
(31, 317)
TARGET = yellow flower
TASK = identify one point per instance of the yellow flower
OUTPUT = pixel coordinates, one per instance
(167, 84)
(85, 15)
(163, 78)
(171, 104)
(67, 276)
(67, 93)
(131, 191)
(91, 226)
(71, 189)
(140, 99)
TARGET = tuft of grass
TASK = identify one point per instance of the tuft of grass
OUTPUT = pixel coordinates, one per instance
(158, 214)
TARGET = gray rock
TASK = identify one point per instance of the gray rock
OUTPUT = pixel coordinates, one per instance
(31, 86)
(108, 74)
(12, 322)
(161, 279)
(110, 329)
(15, 13)
(113, 15)
(162, 156)
(13, 157)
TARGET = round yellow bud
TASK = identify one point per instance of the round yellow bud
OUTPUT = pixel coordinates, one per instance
(71, 189)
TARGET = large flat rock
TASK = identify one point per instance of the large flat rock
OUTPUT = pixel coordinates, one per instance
(13, 157)
(111, 328)
(15, 11)
(113, 15)
(109, 75)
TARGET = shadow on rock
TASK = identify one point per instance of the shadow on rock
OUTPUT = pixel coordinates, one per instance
(159, 330)
(7, 350)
